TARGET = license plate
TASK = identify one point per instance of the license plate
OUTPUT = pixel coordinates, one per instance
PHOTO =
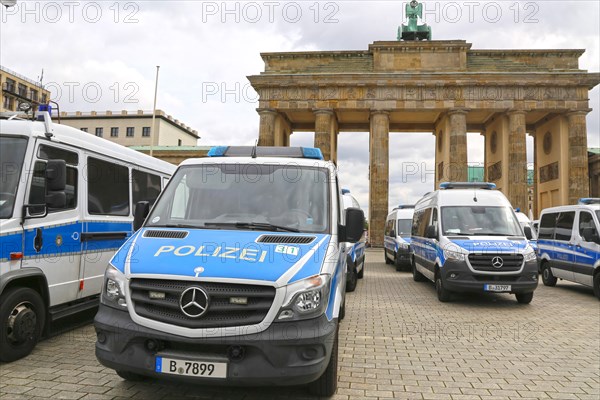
(497, 288)
(199, 369)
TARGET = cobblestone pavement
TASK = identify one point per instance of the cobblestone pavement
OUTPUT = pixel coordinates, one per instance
(397, 341)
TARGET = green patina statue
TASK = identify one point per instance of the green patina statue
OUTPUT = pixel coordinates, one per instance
(412, 31)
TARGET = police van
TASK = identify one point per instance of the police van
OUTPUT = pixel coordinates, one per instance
(66, 206)
(237, 276)
(356, 252)
(569, 244)
(396, 236)
(466, 238)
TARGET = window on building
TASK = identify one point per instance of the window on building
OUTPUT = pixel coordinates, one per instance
(33, 95)
(10, 85)
(108, 188)
(146, 131)
(7, 103)
(99, 132)
(22, 90)
(114, 132)
(130, 131)
(44, 98)
(146, 187)
(178, 142)
(84, 129)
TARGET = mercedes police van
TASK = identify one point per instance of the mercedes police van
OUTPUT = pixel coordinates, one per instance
(237, 276)
(66, 206)
(356, 251)
(396, 236)
(466, 238)
(569, 244)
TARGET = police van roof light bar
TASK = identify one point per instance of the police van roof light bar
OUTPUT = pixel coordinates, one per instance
(266, 151)
(345, 191)
(404, 207)
(467, 185)
(589, 200)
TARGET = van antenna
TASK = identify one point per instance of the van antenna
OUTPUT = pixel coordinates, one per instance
(475, 195)
(254, 149)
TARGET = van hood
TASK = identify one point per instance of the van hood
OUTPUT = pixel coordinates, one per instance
(281, 257)
(490, 244)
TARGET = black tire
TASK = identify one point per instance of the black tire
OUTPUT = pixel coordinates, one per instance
(22, 319)
(443, 294)
(387, 260)
(524, 298)
(547, 278)
(131, 376)
(417, 276)
(351, 279)
(342, 313)
(361, 274)
(597, 285)
(326, 385)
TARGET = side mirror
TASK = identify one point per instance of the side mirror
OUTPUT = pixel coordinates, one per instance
(528, 233)
(355, 220)
(393, 233)
(431, 232)
(142, 208)
(56, 175)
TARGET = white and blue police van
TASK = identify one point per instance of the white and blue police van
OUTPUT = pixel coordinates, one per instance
(466, 238)
(528, 228)
(66, 206)
(569, 244)
(236, 277)
(356, 252)
(397, 236)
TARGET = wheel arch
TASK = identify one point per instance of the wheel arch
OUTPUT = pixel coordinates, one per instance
(32, 278)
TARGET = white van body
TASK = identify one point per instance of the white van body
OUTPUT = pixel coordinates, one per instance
(466, 238)
(356, 251)
(396, 237)
(53, 259)
(569, 245)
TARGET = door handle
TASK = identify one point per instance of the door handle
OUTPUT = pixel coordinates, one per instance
(38, 241)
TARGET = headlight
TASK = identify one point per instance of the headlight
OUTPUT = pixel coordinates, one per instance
(113, 291)
(530, 256)
(305, 299)
(403, 246)
(454, 255)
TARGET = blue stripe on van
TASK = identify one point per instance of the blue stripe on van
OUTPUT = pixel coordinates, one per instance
(8, 244)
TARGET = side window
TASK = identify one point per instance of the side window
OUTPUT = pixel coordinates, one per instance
(547, 225)
(424, 222)
(434, 217)
(415, 223)
(108, 188)
(564, 226)
(146, 187)
(587, 228)
(37, 192)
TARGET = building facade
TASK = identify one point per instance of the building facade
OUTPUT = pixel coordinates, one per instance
(129, 128)
(594, 167)
(17, 90)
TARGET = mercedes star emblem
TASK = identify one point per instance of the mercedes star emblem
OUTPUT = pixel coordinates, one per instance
(193, 302)
(497, 262)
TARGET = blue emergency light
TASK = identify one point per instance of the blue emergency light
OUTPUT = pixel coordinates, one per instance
(467, 185)
(266, 151)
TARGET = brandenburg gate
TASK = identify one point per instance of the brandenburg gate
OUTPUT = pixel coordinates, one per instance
(446, 88)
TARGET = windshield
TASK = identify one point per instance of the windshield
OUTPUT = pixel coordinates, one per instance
(245, 196)
(12, 153)
(404, 227)
(598, 214)
(480, 221)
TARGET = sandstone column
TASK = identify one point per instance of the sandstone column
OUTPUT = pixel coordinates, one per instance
(323, 128)
(457, 170)
(517, 161)
(378, 175)
(536, 210)
(266, 130)
(579, 185)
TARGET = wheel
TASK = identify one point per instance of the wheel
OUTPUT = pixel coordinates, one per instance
(326, 385)
(417, 276)
(443, 294)
(352, 278)
(361, 274)
(398, 264)
(524, 298)
(342, 313)
(597, 285)
(131, 376)
(22, 320)
(547, 278)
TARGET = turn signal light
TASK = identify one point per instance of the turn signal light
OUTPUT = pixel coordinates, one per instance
(16, 255)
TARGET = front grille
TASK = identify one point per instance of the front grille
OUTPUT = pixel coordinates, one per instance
(220, 313)
(166, 234)
(286, 239)
(484, 262)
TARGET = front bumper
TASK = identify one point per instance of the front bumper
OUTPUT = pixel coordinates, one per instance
(467, 281)
(287, 353)
(403, 255)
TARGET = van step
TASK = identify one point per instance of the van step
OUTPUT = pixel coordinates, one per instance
(63, 311)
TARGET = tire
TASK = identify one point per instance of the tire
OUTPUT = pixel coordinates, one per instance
(524, 298)
(352, 278)
(342, 313)
(443, 294)
(22, 319)
(547, 278)
(361, 274)
(326, 385)
(387, 260)
(399, 264)
(417, 276)
(597, 285)
(131, 376)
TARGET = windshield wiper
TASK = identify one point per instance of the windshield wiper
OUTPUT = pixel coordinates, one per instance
(176, 226)
(255, 225)
(491, 234)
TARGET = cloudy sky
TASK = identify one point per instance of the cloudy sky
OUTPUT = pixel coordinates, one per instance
(103, 55)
